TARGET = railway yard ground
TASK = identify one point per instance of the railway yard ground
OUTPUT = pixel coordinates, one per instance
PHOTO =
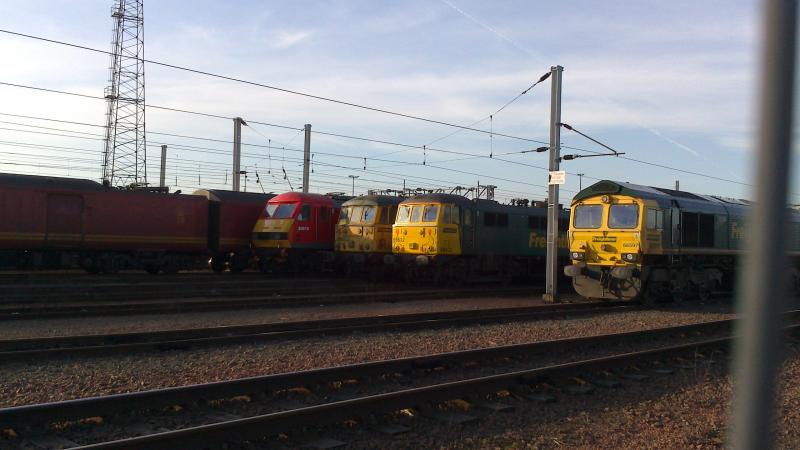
(443, 372)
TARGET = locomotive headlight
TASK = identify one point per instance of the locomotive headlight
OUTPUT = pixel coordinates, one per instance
(580, 256)
(630, 257)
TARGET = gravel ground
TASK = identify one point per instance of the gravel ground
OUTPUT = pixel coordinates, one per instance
(151, 322)
(687, 410)
(34, 382)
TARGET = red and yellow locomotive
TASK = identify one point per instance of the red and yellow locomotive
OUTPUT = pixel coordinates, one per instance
(296, 232)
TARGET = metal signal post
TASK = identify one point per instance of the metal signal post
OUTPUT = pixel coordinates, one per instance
(306, 156)
(237, 153)
(551, 282)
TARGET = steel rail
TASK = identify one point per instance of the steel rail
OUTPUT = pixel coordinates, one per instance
(153, 399)
(123, 291)
(129, 308)
(273, 423)
(116, 343)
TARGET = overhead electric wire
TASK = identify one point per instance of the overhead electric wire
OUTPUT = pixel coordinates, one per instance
(542, 78)
(323, 163)
(254, 83)
(689, 172)
(627, 158)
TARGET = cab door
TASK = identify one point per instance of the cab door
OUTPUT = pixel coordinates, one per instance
(675, 225)
(467, 230)
(324, 224)
(304, 222)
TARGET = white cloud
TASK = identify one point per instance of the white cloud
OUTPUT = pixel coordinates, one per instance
(281, 40)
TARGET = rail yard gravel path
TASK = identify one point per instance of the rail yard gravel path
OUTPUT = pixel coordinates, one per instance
(61, 379)
(155, 322)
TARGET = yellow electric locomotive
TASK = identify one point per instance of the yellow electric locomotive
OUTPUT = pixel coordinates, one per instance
(364, 232)
(638, 242)
(450, 237)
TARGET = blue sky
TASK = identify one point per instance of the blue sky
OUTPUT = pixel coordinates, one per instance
(672, 83)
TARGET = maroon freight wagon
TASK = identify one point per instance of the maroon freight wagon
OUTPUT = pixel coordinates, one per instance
(62, 222)
(231, 216)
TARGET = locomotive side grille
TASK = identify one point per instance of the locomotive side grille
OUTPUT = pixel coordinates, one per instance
(270, 236)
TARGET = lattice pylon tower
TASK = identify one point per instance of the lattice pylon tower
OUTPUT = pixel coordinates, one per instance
(124, 158)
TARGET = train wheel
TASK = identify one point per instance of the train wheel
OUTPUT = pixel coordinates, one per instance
(265, 265)
(655, 292)
(217, 265)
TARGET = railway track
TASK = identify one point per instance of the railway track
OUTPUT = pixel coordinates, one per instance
(332, 296)
(209, 415)
(117, 343)
(135, 288)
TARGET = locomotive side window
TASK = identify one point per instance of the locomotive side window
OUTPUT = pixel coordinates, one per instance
(588, 216)
(392, 214)
(446, 214)
(323, 214)
(538, 223)
(502, 220)
(403, 214)
(623, 216)
(430, 214)
(305, 213)
(344, 215)
(489, 219)
(655, 219)
(456, 214)
(369, 215)
(383, 216)
(468, 217)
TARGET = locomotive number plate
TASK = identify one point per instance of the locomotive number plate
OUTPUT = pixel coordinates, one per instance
(604, 239)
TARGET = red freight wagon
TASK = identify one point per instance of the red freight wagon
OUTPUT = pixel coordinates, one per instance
(56, 222)
(231, 216)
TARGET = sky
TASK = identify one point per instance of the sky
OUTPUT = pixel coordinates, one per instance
(671, 84)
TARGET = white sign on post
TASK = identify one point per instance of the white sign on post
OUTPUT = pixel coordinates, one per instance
(557, 177)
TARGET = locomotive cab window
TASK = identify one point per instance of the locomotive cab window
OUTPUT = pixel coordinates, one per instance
(403, 214)
(416, 213)
(623, 216)
(369, 215)
(430, 214)
(356, 214)
(588, 216)
(305, 213)
(280, 210)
